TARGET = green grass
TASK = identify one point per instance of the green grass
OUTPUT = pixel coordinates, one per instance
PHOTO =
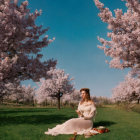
(136, 108)
(31, 123)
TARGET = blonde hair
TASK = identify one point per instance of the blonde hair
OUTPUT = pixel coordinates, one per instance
(87, 91)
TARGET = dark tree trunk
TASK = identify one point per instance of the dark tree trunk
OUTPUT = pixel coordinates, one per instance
(59, 95)
(58, 102)
(1, 101)
(138, 101)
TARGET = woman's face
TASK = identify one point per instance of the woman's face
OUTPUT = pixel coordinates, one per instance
(83, 94)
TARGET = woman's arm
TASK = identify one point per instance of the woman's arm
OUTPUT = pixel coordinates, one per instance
(79, 111)
(92, 112)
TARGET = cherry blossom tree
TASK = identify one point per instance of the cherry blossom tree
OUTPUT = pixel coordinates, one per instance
(76, 96)
(101, 100)
(9, 89)
(21, 43)
(72, 99)
(128, 90)
(5, 67)
(54, 87)
(123, 45)
(29, 95)
(14, 92)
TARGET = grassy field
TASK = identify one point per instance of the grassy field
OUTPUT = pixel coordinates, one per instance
(31, 123)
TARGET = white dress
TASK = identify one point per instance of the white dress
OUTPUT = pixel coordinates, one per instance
(80, 125)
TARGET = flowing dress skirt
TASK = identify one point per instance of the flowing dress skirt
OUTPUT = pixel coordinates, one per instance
(79, 125)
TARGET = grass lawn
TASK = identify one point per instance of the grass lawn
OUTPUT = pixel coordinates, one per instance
(31, 123)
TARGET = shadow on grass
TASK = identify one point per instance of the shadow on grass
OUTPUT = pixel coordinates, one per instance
(103, 123)
(27, 110)
(33, 119)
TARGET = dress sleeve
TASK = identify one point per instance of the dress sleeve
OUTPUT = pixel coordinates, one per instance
(92, 112)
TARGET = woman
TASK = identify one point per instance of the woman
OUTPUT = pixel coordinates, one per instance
(84, 123)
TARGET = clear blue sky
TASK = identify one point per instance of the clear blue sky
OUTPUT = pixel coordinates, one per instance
(75, 25)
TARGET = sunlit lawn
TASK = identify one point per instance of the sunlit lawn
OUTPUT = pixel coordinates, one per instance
(31, 123)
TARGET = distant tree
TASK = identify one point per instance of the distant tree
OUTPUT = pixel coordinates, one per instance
(76, 96)
(72, 99)
(29, 95)
(128, 90)
(54, 87)
(20, 93)
(9, 89)
(101, 100)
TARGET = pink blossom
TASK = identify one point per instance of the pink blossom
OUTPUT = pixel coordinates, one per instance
(124, 35)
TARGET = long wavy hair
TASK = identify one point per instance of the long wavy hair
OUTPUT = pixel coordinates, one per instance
(87, 91)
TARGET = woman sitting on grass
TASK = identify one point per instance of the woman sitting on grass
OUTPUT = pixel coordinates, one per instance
(86, 112)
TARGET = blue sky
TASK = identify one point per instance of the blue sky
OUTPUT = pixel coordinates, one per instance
(75, 25)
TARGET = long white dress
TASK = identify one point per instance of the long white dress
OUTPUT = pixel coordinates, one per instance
(81, 125)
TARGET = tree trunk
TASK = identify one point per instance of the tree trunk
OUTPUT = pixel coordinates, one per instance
(58, 98)
(1, 101)
(138, 101)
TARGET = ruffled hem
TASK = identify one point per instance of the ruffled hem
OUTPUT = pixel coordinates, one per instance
(81, 132)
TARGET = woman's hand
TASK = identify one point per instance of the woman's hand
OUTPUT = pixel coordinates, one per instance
(79, 113)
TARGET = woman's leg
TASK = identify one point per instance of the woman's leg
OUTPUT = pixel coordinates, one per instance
(70, 126)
